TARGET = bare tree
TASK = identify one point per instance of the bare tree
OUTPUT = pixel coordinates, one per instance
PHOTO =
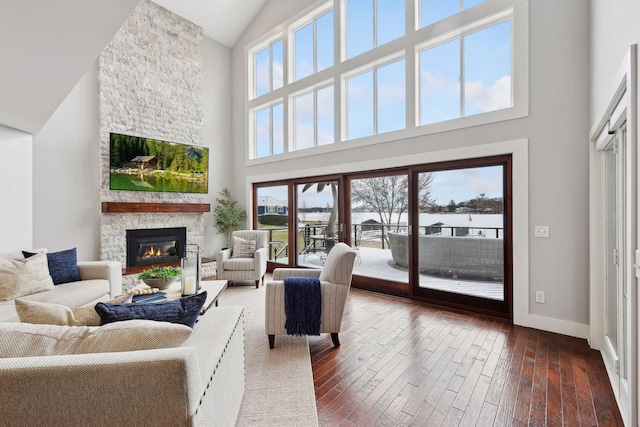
(389, 195)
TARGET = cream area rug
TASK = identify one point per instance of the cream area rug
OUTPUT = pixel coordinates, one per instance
(278, 383)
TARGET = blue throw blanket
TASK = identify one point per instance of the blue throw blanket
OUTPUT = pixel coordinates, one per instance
(302, 305)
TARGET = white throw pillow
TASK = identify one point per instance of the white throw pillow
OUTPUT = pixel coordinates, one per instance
(57, 314)
(24, 277)
(243, 248)
(28, 340)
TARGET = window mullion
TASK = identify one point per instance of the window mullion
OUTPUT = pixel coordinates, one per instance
(271, 131)
(270, 67)
(375, 23)
(375, 101)
(315, 46)
(315, 118)
(462, 77)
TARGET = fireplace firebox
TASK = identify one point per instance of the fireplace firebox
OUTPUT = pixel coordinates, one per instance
(155, 245)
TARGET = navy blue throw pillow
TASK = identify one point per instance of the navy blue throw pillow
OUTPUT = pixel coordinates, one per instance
(63, 265)
(184, 310)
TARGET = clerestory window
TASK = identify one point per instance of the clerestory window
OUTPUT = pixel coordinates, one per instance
(466, 75)
(349, 73)
(313, 46)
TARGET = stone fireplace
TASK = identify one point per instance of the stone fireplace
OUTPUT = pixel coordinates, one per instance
(150, 85)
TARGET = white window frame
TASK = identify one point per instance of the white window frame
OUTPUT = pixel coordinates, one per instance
(292, 115)
(418, 9)
(459, 34)
(373, 66)
(465, 19)
(374, 24)
(307, 19)
(251, 69)
(253, 128)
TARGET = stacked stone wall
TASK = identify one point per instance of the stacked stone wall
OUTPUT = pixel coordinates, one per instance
(150, 85)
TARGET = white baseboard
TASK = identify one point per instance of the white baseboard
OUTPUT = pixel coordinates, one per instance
(558, 326)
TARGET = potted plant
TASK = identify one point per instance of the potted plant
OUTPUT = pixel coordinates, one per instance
(160, 277)
(228, 215)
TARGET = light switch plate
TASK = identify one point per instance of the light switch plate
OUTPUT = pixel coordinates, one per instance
(542, 231)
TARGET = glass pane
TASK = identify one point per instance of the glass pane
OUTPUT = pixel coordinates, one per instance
(324, 41)
(460, 232)
(304, 51)
(272, 214)
(278, 129)
(263, 134)
(360, 105)
(277, 58)
(440, 83)
(359, 27)
(379, 209)
(391, 97)
(487, 64)
(325, 116)
(435, 10)
(304, 122)
(317, 214)
(390, 23)
(262, 71)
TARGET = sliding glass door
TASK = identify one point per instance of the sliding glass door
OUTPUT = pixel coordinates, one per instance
(318, 224)
(379, 209)
(272, 214)
(438, 232)
(459, 236)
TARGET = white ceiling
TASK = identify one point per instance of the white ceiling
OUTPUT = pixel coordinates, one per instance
(46, 48)
(222, 20)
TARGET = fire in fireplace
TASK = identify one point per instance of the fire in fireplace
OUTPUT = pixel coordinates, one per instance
(155, 245)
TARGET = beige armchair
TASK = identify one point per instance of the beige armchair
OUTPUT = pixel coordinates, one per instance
(244, 268)
(335, 281)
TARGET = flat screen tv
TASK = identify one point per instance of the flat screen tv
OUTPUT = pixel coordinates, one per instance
(144, 164)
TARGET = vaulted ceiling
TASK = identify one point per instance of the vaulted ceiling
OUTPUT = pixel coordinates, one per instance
(47, 46)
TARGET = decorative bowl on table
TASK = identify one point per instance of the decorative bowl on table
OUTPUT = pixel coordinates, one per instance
(160, 277)
(160, 283)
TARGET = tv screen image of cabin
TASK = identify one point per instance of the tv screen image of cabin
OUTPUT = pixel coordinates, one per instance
(144, 164)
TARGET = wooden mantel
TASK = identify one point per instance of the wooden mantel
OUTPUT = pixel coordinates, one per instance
(134, 207)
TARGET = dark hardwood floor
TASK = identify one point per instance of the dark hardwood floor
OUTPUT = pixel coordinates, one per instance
(406, 363)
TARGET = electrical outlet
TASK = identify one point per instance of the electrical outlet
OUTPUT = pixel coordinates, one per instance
(540, 297)
(542, 231)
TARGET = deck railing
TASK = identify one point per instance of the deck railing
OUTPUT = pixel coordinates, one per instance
(370, 235)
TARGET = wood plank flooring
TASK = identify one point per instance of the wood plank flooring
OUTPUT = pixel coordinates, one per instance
(404, 363)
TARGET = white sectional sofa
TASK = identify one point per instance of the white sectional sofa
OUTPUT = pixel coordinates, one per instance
(200, 383)
(100, 281)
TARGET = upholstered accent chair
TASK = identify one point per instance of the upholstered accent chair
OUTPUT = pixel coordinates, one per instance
(243, 264)
(335, 281)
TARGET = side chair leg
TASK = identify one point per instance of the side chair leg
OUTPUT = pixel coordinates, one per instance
(257, 283)
(334, 338)
(272, 340)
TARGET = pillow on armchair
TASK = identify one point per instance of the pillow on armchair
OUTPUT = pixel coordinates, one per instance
(243, 248)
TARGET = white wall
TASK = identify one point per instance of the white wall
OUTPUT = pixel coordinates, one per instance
(217, 132)
(614, 27)
(16, 190)
(66, 174)
(557, 130)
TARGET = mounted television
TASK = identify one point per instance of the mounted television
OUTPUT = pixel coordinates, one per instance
(143, 164)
